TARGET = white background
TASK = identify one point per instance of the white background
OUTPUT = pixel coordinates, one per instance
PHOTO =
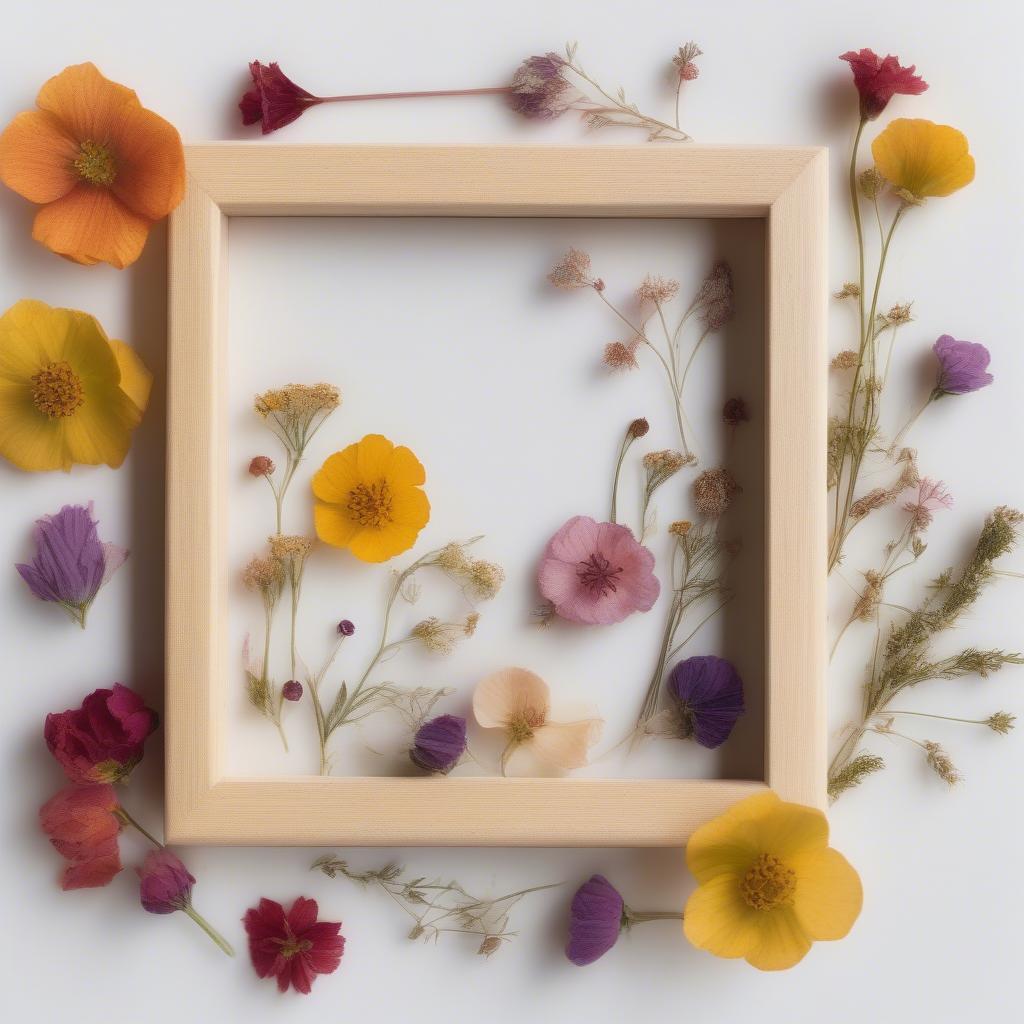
(939, 938)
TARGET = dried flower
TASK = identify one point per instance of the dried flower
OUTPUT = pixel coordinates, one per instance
(708, 694)
(346, 628)
(370, 499)
(103, 740)
(878, 79)
(102, 167)
(539, 89)
(940, 763)
(442, 637)
(931, 496)
(853, 774)
(293, 410)
(481, 579)
(292, 946)
(595, 920)
(715, 299)
(657, 290)
(292, 690)
(845, 360)
(597, 573)
(1001, 722)
(71, 563)
(896, 316)
(768, 884)
(876, 498)
(165, 883)
(81, 823)
(867, 603)
(261, 465)
(266, 576)
(684, 61)
(922, 159)
(713, 492)
(850, 290)
(735, 412)
(963, 366)
(519, 702)
(621, 355)
(439, 744)
(572, 272)
(275, 100)
(680, 528)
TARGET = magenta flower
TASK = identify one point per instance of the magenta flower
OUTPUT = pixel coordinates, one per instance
(165, 884)
(931, 496)
(439, 744)
(878, 79)
(963, 366)
(595, 920)
(292, 690)
(274, 100)
(71, 562)
(597, 573)
(708, 693)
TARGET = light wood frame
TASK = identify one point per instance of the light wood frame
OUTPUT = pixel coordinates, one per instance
(787, 187)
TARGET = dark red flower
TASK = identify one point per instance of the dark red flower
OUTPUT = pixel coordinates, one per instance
(102, 741)
(292, 946)
(734, 412)
(165, 884)
(275, 100)
(879, 79)
(82, 826)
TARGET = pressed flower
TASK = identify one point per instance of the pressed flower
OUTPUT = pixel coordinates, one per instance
(931, 496)
(708, 694)
(621, 355)
(261, 465)
(103, 740)
(768, 884)
(369, 499)
(713, 492)
(572, 271)
(684, 61)
(71, 563)
(735, 412)
(346, 628)
(292, 946)
(274, 100)
(292, 690)
(963, 366)
(878, 79)
(101, 166)
(441, 637)
(656, 289)
(81, 823)
(439, 744)
(922, 159)
(68, 394)
(165, 884)
(597, 573)
(539, 90)
(518, 701)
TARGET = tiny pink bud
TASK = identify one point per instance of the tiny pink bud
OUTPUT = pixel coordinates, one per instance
(292, 690)
(262, 465)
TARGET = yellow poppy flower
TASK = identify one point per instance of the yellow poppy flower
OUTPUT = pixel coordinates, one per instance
(369, 499)
(769, 884)
(922, 158)
(68, 394)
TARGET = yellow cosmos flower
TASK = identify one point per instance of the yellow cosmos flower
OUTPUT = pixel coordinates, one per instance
(68, 394)
(769, 884)
(369, 499)
(922, 158)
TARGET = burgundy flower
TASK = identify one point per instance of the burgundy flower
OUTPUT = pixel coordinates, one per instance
(439, 744)
(879, 79)
(346, 628)
(538, 89)
(292, 947)
(597, 573)
(963, 366)
(595, 921)
(708, 693)
(275, 100)
(292, 690)
(165, 884)
(71, 562)
(735, 412)
(82, 825)
(103, 740)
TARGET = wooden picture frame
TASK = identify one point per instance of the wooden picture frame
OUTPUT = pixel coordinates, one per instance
(787, 187)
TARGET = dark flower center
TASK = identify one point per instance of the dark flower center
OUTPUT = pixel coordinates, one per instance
(370, 504)
(95, 163)
(292, 945)
(57, 390)
(597, 575)
(768, 883)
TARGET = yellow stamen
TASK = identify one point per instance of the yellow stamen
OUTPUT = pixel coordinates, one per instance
(57, 390)
(768, 883)
(370, 504)
(95, 163)
(522, 724)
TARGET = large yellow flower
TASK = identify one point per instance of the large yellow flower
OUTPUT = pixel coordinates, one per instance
(68, 394)
(369, 499)
(922, 158)
(769, 884)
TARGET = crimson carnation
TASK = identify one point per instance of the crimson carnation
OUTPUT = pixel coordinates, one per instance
(275, 100)
(878, 79)
(292, 946)
(103, 740)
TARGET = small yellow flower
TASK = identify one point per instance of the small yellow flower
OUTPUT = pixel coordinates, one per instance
(369, 499)
(922, 158)
(68, 394)
(769, 884)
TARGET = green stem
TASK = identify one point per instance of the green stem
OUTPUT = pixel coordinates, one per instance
(208, 928)
(623, 448)
(632, 917)
(129, 820)
(942, 718)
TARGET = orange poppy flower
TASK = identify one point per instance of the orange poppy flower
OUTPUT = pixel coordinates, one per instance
(102, 167)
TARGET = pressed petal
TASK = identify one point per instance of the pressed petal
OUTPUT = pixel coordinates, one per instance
(507, 692)
(925, 158)
(334, 525)
(28, 439)
(36, 157)
(378, 545)
(338, 475)
(84, 345)
(828, 895)
(575, 541)
(101, 431)
(89, 225)
(88, 105)
(717, 919)
(410, 507)
(94, 871)
(302, 915)
(728, 844)
(374, 457)
(150, 163)
(792, 829)
(136, 380)
(405, 469)
(566, 744)
(32, 334)
(783, 942)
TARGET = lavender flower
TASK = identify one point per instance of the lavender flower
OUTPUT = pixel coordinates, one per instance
(71, 563)
(346, 628)
(595, 920)
(538, 89)
(439, 744)
(963, 366)
(709, 695)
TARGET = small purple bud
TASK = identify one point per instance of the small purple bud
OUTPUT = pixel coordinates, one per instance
(345, 628)
(595, 920)
(292, 690)
(439, 744)
(165, 883)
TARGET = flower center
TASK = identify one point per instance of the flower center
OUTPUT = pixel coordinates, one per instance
(768, 883)
(597, 575)
(57, 390)
(522, 723)
(291, 946)
(95, 163)
(370, 504)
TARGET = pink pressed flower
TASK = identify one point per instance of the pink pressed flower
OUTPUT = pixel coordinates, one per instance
(597, 573)
(878, 79)
(82, 824)
(931, 496)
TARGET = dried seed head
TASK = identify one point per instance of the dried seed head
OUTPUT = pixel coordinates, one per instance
(872, 184)
(897, 315)
(285, 546)
(298, 402)
(680, 528)
(850, 290)
(657, 290)
(877, 498)
(263, 574)
(638, 428)
(484, 579)
(684, 61)
(734, 412)
(1001, 722)
(453, 558)
(261, 465)
(713, 491)
(621, 355)
(867, 604)
(845, 360)
(572, 272)
(940, 763)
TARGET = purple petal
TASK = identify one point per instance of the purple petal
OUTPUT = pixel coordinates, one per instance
(69, 562)
(709, 693)
(439, 744)
(963, 366)
(595, 920)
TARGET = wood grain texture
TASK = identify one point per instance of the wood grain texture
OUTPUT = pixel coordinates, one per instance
(785, 186)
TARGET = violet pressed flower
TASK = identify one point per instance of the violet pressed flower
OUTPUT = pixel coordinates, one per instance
(597, 573)
(538, 88)
(292, 690)
(595, 920)
(708, 694)
(346, 628)
(165, 884)
(439, 744)
(963, 366)
(71, 562)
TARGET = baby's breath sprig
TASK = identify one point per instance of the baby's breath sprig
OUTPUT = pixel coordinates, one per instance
(437, 906)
